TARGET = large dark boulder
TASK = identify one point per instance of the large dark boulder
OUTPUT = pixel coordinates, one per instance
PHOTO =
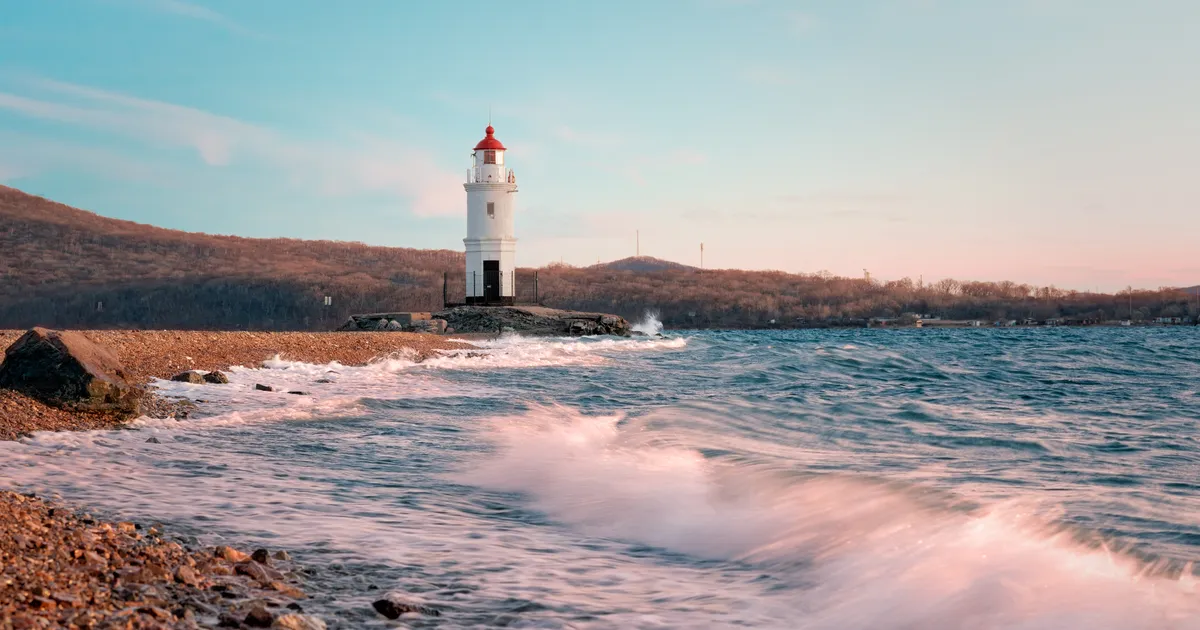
(68, 370)
(392, 607)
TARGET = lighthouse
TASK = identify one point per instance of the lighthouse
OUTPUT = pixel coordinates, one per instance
(491, 246)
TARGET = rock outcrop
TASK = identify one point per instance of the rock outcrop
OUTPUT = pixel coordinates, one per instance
(67, 370)
(190, 376)
(405, 322)
(532, 320)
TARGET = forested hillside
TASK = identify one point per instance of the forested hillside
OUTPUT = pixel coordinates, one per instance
(64, 267)
(734, 298)
(60, 266)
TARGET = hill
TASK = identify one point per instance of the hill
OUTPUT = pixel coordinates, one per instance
(642, 264)
(65, 267)
(68, 267)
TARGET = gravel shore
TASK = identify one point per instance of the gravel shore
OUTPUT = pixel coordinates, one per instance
(60, 569)
(63, 569)
(147, 354)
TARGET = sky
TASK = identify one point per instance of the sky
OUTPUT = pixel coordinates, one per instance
(1040, 141)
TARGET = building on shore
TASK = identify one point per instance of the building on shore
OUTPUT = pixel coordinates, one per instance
(490, 245)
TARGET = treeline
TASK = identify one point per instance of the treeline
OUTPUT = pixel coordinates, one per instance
(60, 266)
(64, 267)
(735, 298)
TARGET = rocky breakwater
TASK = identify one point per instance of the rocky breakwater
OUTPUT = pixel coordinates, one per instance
(532, 320)
(396, 322)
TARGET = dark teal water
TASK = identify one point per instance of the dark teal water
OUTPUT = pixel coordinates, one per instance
(805, 479)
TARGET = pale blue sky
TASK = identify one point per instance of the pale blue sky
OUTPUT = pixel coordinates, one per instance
(1045, 141)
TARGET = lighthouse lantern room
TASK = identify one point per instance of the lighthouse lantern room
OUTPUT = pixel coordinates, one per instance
(491, 247)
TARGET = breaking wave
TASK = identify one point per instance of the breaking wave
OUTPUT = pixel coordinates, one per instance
(861, 553)
(649, 324)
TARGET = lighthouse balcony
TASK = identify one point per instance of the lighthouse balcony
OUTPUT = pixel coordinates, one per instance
(488, 176)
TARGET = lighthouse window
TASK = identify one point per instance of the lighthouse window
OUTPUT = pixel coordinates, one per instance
(489, 157)
(492, 209)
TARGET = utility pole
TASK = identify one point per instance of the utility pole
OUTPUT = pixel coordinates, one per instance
(701, 256)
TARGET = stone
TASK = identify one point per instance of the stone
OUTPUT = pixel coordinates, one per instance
(259, 572)
(152, 440)
(67, 370)
(261, 556)
(216, 378)
(392, 608)
(298, 393)
(287, 590)
(281, 555)
(186, 575)
(394, 325)
(263, 388)
(259, 617)
(434, 326)
(190, 376)
(293, 621)
(230, 554)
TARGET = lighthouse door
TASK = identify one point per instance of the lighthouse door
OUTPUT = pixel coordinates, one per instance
(491, 281)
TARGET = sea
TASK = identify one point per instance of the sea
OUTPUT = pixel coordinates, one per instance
(1031, 479)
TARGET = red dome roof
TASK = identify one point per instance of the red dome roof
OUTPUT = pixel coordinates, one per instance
(490, 142)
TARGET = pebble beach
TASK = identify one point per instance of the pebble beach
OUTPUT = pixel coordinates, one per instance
(149, 354)
(63, 568)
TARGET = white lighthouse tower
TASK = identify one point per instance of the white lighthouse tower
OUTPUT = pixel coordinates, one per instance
(491, 247)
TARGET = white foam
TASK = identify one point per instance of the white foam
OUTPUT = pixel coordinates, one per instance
(868, 555)
(515, 351)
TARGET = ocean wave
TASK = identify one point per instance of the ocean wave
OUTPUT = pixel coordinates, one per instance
(864, 554)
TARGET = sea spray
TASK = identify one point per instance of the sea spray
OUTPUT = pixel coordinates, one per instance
(649, 324)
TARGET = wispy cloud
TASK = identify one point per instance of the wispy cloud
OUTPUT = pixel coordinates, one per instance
(367, 164)
(192, 11)
(24, 155)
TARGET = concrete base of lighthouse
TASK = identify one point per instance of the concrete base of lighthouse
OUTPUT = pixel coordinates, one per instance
(491, 271)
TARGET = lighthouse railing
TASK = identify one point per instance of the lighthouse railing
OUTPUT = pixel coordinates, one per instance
(514, 287)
